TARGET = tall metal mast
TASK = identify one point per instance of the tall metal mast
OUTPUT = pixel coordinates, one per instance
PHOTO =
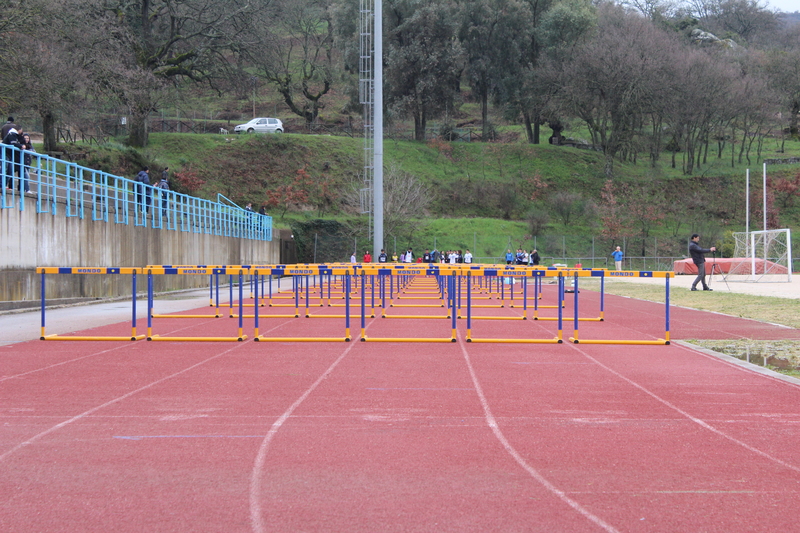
(371, 97)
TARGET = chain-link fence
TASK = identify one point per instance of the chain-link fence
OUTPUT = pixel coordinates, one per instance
(590, 252)
(321, 246)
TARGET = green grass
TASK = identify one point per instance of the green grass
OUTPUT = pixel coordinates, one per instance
(785, 311)
(465, 180)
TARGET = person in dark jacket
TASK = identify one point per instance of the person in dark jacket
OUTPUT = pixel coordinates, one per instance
(698, 258)
(27, 159)
(12, 137)
(143, 198)
(163, 189)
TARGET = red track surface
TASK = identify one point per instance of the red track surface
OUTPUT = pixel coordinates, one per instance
(148, 436)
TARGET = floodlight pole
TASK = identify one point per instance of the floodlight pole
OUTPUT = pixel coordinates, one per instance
(749, 245)
(377, 196)
(765, 197)
(747, 202)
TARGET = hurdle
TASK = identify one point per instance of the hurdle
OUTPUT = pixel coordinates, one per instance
(322, 271)
(558, 339)
(641, 274)
(406, 271)
(193, 271)
(328, 270)
(509, 272)
(213, 283)
(403, 274)
(278, 270)
(213, 272)
(43, 271)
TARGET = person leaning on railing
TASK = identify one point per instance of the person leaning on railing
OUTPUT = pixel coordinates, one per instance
(13, 157)
(27, 159)
(143, 198)
(163, 187)
(9, 154)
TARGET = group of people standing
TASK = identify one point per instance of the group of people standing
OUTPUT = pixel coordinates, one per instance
(532, 258)
(434, 256)
(144, 193)
(449, 256)
(17, 161)
(523, 257)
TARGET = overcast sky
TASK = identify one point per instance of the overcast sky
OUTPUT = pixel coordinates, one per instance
(787, 6)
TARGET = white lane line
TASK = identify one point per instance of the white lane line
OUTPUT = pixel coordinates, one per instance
(256, 510)
(490, 419)
(111, 402)
(255, 478)
(118, 399)
(54, 365)
(694, 419)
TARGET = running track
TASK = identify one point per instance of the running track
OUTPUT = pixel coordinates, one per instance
(229, 437)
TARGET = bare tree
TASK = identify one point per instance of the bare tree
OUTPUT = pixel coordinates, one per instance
(295, 54)
(782, 67)
(748, 20)
(134, 48)
(566, 205)
(15, 19)
(53, 82)
(405, 198)
(701, 102)
(653, 9)
(614, 81)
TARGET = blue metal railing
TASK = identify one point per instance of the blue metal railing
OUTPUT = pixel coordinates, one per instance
(80, 191)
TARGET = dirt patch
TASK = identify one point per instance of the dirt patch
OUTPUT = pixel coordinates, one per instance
(782, 354)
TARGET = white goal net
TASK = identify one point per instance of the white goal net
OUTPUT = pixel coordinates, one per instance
(762, 256)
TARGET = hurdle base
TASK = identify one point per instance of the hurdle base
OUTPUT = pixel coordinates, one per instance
(495, 317)
(416, 316)
(197, 339)
(403, 339)
(415, 305)
(185, 316)
(659, 342)
(55, 337)
(518, 341)
(261, 338)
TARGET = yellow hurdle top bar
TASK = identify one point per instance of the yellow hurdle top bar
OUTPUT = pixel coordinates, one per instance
(384, 269)
(88, 270)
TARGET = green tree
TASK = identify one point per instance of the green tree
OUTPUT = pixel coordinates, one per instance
(556, 28)
(493, 33)
(423, 59)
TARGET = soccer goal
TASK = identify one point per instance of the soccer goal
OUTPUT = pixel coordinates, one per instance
(762, 256)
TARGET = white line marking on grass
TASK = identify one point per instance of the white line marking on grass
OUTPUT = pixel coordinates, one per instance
(490, 419)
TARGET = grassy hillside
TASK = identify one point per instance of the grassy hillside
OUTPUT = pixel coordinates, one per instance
(486, 196)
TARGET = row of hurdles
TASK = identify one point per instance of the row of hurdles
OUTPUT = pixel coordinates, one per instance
(454, 288)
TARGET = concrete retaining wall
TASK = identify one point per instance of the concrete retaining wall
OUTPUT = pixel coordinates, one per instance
(29, 239)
